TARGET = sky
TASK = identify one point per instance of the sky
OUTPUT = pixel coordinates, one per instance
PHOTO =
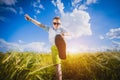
(94, 25)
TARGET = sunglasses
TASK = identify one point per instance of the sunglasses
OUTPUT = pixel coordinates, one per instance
(56, 23)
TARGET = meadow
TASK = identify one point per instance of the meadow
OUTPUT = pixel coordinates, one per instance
(79, 66)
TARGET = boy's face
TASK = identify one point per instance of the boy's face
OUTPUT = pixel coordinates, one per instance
(56, 23)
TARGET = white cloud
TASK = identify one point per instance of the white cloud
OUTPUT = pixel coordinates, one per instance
(81, 4)
(116, 44)
(34, 4)
(88, 2)
(83, 7)
(34, 46)
(5, 46)
(75, 2)
(35, 17)
(113, 33)
(60, 6)
(41, 6)
(3, 19)
(8, 2)
(37, 11)
(101, 37)
(38, 1)
(20, 41)
(37, 6)
(42, 47)
(10, 9)
(6, 9)
(76, 22)
(56, 11)
(21, 10)
(53, 2)
(103, 49)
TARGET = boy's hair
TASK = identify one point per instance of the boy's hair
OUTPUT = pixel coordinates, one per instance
(58, 18)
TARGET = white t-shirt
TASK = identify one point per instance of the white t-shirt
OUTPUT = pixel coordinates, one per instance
(53, 32)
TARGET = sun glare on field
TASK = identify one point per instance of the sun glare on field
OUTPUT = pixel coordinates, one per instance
(73, 50)
(76, 48)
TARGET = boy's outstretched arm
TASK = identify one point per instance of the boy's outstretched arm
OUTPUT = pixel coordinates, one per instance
(27, 17)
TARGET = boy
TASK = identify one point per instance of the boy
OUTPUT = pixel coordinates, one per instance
(54, 32)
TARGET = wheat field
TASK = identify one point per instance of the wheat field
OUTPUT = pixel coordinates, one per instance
(80, 66)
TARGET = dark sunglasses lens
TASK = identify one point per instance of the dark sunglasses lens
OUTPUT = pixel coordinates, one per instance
(56, 23)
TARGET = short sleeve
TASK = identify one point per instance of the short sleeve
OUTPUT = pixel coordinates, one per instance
(63, 30)
(46, 28)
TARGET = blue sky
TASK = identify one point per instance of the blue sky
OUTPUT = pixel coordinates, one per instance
(93, 24)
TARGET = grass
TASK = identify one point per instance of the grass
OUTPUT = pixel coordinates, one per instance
(81, 66)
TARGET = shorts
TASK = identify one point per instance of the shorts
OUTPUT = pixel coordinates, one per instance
(55, 55)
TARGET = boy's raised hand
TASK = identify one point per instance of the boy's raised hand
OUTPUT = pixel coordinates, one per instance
(27, 17)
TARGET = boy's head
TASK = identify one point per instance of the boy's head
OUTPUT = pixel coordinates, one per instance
(56, 22)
